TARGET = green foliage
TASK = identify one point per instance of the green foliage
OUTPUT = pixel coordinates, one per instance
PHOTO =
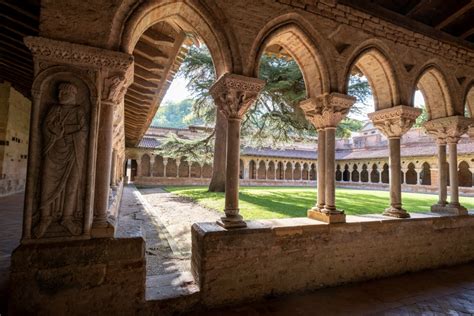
(199, 150)
(284, 202)
(176, 114)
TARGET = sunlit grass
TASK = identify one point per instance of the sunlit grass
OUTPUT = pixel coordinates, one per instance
(281, 202)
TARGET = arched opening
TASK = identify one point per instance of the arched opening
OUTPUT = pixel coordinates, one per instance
(355, 174)
(364, 174)
(262, 170)
(171, 168)
(425, 174)
(385, 174)
(434, 89)
(312, 173)
(206, 171)
(338, 173)
(241, 169)
(280, 171)
(305, 172)
(271, 171)
(297, 172)
(411, 176)
(195, 170)
(133, 170)
(145, 166)
(159, 167)
(469, 103)
(252, 170)
(289, 171)
(374, 174)
(346, 175)
(464, 175)
(183, 168)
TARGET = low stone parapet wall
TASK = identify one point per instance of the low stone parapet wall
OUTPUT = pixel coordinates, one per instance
(275, 257)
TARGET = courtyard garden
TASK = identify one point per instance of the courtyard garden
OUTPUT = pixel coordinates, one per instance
(281, 202)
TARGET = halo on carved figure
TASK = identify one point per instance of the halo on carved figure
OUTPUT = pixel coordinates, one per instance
(433, 85)
(300, 41)
(190, 18)
(62, 209)
(377, 65)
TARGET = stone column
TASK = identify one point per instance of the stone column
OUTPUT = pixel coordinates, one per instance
(449, 130)
(325, 112)
(152, 165)
(233, 95)
(165, 162)
(418, 175)
(178, 163)
(113, 173)
(393, 123)
(275, 166)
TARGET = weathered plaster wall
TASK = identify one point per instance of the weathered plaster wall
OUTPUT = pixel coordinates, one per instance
(14, 134)
(281, 256)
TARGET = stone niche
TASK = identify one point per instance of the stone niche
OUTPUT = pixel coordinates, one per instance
(84, 277)
(273, 257)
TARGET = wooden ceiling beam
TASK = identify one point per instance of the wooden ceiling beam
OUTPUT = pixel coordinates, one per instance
(452, 17)
(416, 8)
(467, 33)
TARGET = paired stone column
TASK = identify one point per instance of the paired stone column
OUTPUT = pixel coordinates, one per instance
(233, 95)
(393, 123)
(325, 112)
(448, 130)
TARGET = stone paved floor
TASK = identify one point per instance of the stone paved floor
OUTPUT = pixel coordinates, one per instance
(11, 216)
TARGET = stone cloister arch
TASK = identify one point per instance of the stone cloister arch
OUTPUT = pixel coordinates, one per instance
(425, 176)
(252, 170)
(464, 174)
(346, 174)
(355, 177)
(271, 171)
(411, 176)
(364, 174)
(159, 167)
(338, 175)
(385, 174)
(262, 170)
(280, 171)
(375, 174)
(145, 166)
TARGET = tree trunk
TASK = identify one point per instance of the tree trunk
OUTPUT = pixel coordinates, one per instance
(218, 168)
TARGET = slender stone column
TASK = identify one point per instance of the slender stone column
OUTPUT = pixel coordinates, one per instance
(418, 175)
(275, 166)
(233, 95)
(325, 112)
(178, 163)
(448, 130)
(393, 123)
(165, 163)
(152, 165)
(113, 173)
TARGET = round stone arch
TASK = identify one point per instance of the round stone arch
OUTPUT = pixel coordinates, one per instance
(145, 165)
(469, 100)
(195, 19)
(380, 68)
(433, 85)
(293, 33)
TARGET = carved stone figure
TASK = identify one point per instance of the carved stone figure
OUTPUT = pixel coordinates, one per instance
(65, 135)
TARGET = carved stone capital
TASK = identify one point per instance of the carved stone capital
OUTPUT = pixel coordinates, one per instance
(60, 52)
(234, 94)
(114, 88)
(395, 121)
(448, 129)
(328, 109)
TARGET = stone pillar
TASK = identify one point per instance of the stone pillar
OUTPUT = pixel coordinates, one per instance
(275, 167)
(113, 173)
(233, 95)
(178, 163)
(393, 123)
(165, 162)
(152, 165)
(449, 130)
(325, 112)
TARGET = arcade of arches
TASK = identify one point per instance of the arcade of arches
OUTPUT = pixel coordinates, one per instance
(96, 72)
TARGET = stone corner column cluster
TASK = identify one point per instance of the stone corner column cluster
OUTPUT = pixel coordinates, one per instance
(325, 112)
(233, 95)
(76, 90)
(394, 122)
(448, 130)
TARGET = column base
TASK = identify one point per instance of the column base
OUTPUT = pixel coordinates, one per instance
(326, 216)
(102, 230)
(230, 222)
(454, 209)
(396, 212)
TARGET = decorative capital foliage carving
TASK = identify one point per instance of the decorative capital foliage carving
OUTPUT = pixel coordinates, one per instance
(75, 54)
(396, 121)
(328, 109)
(448, 129)
(234, 94)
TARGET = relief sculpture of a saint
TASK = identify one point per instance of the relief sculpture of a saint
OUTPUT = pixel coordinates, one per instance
(65, 132)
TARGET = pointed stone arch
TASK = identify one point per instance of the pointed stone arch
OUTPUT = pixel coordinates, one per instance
(411, 175)
(346, 174)
(375, 174)
(338, 173)
(464, 175)
(364, 174)
(377, 66)
(355, 173)
(425, 175)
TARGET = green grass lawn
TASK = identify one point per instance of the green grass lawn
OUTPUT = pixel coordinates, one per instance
(281, 202)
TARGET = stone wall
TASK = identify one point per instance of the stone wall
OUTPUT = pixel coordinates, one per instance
(14, 133)
(281, 256)
(98, 276)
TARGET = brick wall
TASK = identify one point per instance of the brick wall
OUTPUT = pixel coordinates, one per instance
(283, 256)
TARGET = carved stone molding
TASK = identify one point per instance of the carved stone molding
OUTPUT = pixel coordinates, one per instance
(68, 53)
(234, 94)
(328, 109)
(448, 129)
(395, 121)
